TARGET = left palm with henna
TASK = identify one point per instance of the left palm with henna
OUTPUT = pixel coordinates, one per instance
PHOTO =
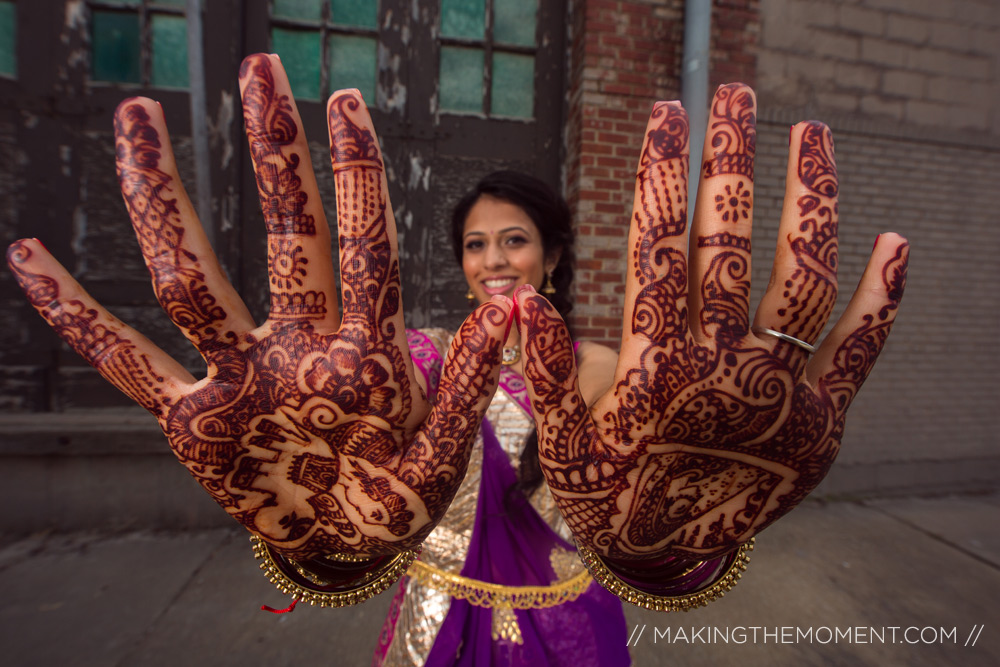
(310, 429)
(712, 429)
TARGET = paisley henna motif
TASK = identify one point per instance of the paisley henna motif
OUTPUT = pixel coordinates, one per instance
(733, 128)
(817, 169)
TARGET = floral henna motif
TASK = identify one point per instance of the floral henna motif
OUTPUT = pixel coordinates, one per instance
(735, 204)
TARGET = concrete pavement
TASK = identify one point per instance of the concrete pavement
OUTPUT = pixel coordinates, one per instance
(886, 582)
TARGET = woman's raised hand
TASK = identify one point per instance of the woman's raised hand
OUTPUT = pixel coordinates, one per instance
(712, 428)
(309, 429)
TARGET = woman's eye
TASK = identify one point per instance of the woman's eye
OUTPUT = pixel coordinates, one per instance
(516, 240)
(473, 245)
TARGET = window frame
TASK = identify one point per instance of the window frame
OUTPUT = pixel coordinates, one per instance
(489, 46)
(145, 9)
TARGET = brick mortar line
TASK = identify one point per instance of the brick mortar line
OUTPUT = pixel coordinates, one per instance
(855, 124)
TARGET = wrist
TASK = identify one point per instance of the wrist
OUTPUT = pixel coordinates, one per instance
(331, 581)
(668, 584)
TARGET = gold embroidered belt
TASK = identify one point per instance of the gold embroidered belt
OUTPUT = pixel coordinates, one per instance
(501, 600)
(486, 594)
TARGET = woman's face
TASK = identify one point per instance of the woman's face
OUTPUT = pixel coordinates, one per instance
(502, 249)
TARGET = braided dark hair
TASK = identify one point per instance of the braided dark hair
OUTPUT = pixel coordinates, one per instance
(550, 213)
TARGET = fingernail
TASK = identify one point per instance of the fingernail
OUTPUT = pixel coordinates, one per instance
(40, 243)
(527, 288)
(790, 131)
(876, 242)
(514, 316)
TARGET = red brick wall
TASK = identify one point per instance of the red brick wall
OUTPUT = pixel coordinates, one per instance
(735, 35)
(624, 56)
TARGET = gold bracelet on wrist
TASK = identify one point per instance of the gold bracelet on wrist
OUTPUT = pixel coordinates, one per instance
(698, 598)
(315, 591)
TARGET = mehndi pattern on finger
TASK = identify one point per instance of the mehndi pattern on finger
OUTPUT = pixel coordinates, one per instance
(272, 132)
(733, 126)
(114, 356)
(855, 358)
(178, 281)
(727, 169)
(271, 128)
(810, 292)
(658, 264)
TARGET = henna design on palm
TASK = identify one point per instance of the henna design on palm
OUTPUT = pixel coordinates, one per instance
(309, 429)
(709, 433)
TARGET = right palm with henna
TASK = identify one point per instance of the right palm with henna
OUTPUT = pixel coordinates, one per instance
(309, 429)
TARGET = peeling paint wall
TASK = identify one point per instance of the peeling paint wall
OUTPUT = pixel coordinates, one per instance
(58, 181)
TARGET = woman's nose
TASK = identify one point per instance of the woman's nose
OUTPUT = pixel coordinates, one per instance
(495, 256)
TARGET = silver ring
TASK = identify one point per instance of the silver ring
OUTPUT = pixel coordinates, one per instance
(811, 349)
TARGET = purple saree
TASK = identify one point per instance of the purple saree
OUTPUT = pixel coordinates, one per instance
(512, 546)
(515, 554)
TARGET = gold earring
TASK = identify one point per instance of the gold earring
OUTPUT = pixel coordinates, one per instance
(471, 296)
(547, 288)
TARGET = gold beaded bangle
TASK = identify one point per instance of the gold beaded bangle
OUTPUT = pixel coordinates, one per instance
(373, 584)
(603, 575)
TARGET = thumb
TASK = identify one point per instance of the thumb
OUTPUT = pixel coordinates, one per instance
(848, 354)
(437, 458)
(561, 416)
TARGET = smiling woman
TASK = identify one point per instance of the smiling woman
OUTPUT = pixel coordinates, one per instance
(498, 578)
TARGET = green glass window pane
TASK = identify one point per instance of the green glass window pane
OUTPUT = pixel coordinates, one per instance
(514, 21)
(304, 10)
(463, 18)
(300, 54)
(461, 79)
(362, 13)
(170, 53)
(115, 44)
(8, 38)
(169, 3)
(512, 92)
(352, 65)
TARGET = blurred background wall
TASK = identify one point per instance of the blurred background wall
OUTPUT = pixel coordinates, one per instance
(457, 88)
